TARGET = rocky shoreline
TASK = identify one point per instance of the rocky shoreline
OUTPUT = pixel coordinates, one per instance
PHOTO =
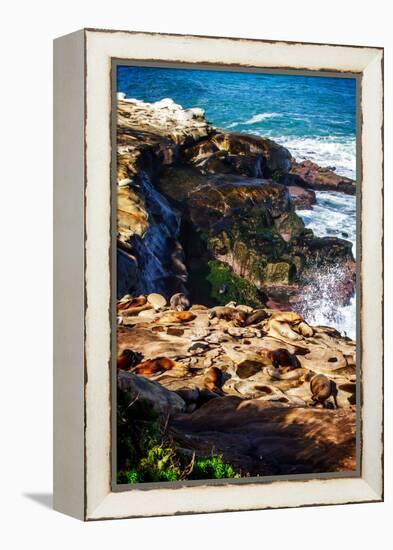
(212, 215)
(208, 212)
(249, 393)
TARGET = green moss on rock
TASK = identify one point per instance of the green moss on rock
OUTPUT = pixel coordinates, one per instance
(227, 286)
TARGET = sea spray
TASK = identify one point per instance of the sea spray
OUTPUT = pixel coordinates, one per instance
(320, 302)
(333, 215)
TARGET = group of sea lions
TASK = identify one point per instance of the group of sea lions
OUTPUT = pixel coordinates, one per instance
(239, 317)
(286, 327)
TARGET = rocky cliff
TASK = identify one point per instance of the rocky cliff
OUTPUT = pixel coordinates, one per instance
(213, 213)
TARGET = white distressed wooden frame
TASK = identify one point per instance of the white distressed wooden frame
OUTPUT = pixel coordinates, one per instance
(82, 412)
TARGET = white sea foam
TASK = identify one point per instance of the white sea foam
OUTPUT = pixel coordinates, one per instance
(320, 305)
(325, 151)
(333, 215)
(342, 318)
(233, 124)
(259, 117)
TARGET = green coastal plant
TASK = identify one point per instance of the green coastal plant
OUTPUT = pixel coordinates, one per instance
(146, 453)
(212, 468)
(236, 288)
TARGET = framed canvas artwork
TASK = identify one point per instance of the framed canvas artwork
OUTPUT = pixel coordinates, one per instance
(218, 274)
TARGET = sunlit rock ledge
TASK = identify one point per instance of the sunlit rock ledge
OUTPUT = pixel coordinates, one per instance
(283, 400)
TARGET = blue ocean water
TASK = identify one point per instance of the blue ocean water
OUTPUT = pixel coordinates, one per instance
(313, 116)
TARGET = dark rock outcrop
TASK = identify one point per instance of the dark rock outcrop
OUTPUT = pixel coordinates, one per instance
(309, 175)
(303, 199)
(161, 400)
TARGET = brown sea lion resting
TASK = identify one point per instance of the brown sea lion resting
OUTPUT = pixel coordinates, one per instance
(229, 314)
(299, 350)
(128, 359)
(322, 388)
(287, 317)
(213, 380)
(256, 317)
(133, 302)
(289, 325)
(282, 358)
(179, 302)
(177, 317)
(154, 366)
(304, 329)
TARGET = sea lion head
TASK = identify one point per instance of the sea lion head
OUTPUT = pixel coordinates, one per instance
(239, 318)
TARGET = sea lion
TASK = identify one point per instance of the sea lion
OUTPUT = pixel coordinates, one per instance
(299, 350)
(177, 317)
(280, 329)
(135, 310)
(304, 329)
(213, 380)
(128, 359)
(228, 314)
(179, 302)
(154, 366)
(297, 374)
(282, 358)
(287, 317)
(132, 302)
(322, 388)
(256, 317)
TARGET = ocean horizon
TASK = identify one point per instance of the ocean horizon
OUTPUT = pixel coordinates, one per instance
(313, 116)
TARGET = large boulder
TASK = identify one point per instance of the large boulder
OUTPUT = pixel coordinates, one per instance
(161, 400)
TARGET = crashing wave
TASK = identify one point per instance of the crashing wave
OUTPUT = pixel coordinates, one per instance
(319, 303)
(326, 151)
